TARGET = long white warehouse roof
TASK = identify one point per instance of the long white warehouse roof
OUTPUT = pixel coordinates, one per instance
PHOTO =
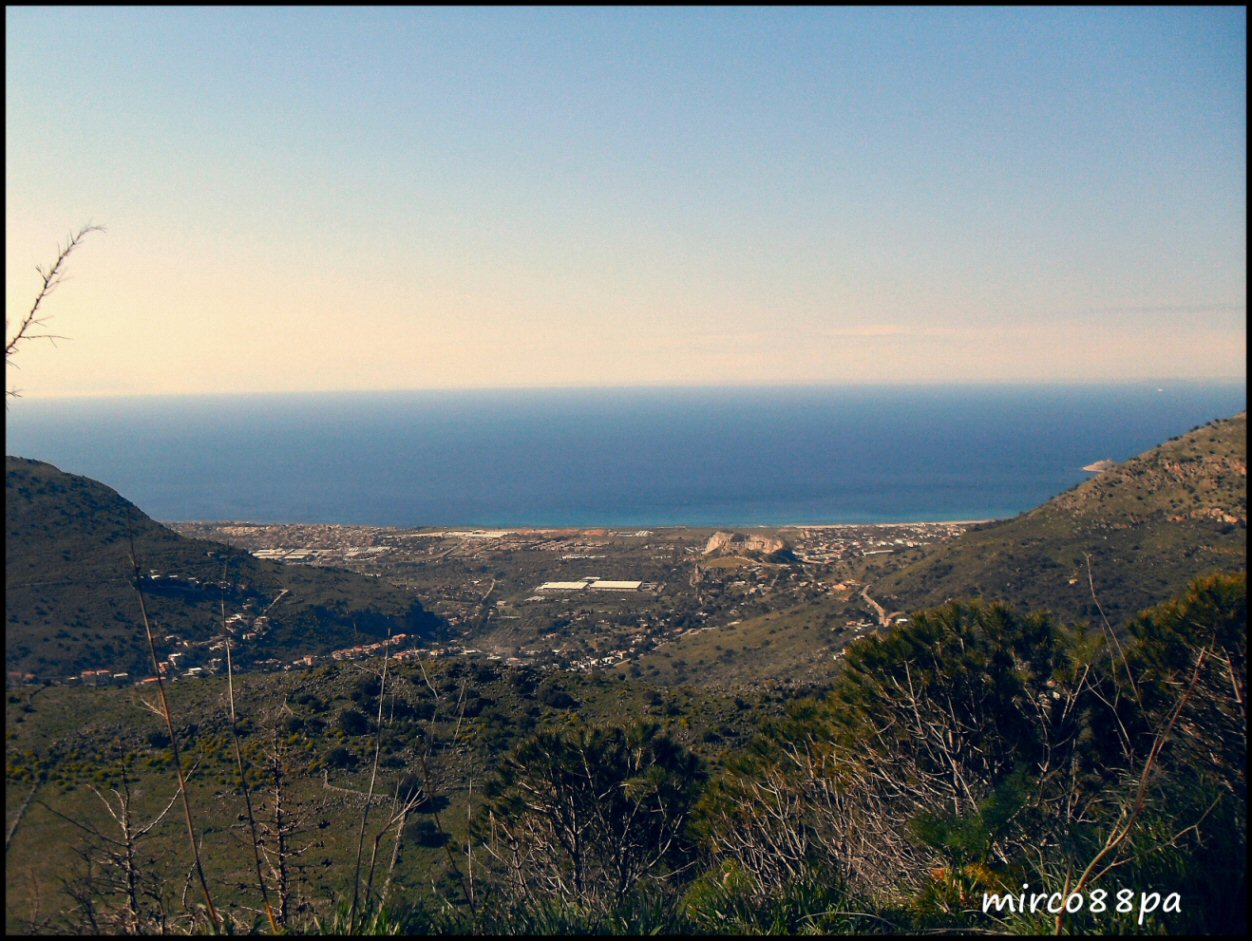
(597, 583)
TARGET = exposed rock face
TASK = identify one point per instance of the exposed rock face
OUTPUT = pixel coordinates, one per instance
(724, 543)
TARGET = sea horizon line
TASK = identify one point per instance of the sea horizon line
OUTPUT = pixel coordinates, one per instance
(1162, 383)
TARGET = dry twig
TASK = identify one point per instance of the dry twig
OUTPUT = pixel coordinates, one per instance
(33, 320)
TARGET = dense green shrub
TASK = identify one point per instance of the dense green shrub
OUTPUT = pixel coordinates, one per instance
(353, 722)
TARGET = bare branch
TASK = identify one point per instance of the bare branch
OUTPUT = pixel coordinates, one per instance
(33, 320)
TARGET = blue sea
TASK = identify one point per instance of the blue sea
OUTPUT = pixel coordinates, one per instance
(609, 457)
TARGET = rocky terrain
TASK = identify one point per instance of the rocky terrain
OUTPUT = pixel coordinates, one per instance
(766, 547)
(1132, 536)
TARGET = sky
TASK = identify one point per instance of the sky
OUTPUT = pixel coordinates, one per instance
(319, 199)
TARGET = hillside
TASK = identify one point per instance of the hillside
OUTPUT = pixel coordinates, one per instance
(70, 604)
(1148, 526)
(449, 723)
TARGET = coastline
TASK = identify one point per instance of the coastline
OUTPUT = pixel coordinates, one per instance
(482, 532)
(853, 457)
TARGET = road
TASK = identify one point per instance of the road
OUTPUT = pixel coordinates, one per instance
(884, 619)
(274, 602)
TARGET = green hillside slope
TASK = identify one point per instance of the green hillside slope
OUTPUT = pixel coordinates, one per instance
(1141, 530)
(70, 603)
(1147, 526)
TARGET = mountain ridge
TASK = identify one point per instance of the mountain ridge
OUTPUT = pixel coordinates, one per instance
(1131, 536)
(70, 602)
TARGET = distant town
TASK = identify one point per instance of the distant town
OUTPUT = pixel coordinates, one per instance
(574, 598)
(578, 599)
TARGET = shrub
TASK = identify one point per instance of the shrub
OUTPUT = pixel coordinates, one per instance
(353, 722)
(586, 814)
(340, 757)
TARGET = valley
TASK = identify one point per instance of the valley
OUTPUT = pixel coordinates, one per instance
(420, 671)
(600, 598)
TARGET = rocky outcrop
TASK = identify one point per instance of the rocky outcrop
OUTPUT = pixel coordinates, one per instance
(770, 548)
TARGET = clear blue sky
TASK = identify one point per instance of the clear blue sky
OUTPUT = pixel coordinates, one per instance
(318, 199)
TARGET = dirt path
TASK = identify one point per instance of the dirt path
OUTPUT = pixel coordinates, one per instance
(884, 620)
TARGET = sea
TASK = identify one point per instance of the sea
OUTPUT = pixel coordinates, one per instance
(635, 458)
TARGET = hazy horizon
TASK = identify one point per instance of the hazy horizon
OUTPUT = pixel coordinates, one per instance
(311, 200)
(1163, 383)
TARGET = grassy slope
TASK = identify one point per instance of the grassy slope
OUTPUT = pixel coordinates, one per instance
(791, 648)
(69, 604)
(1149, 525)
(48, 735)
